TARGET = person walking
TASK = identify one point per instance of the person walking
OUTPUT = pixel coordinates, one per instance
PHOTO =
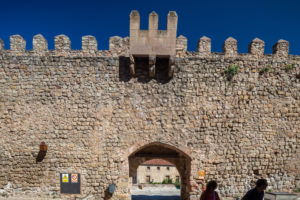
(210, 193)
(257, 193)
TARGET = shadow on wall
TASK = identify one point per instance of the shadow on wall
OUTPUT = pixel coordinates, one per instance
(107, 194)
(142, 70)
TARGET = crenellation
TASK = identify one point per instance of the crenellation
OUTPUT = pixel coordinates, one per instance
(172, 23)
(1, 45)
(89, 45)
(62, 44)
(40, 44)
(281, 49)
(134, 24)
(230, 47)
(153, 23)
(204, 47)
(119, 46)
(17, 44)
(181, 46)
(257, 47)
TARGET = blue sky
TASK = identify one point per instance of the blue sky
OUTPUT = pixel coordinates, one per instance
(269, 20)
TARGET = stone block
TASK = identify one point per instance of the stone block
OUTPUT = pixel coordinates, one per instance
(281, 49)
(204, 47)
(89, 44)
(230, 47)
(181, 45)
(62, 43)
(40, 44)
(17, 43)
(256, 47)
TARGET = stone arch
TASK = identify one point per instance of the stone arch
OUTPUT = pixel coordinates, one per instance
(174, 155)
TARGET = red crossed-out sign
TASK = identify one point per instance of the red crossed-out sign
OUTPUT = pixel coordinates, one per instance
(74, 178)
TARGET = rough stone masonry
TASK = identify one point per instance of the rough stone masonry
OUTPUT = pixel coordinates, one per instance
(234, 116)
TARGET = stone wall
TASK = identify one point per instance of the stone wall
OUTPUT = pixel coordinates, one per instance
(92, 115)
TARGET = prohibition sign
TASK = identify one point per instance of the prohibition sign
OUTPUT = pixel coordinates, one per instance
(74, 178)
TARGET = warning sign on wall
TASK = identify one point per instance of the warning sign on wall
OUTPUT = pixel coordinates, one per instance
(201, 174)
(70, 183)
(65, 178)
(74, 178)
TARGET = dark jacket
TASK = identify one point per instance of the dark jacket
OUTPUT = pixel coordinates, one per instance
(253, 194)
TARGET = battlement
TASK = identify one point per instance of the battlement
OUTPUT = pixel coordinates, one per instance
(149, 43)
(120, 47)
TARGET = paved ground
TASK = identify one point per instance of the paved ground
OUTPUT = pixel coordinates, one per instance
(154, 197)
(155, 193)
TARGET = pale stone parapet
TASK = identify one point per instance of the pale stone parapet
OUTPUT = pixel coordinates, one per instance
(40, 44)
(152, 41)
(89, 44)
(134, 23)
(153, 24)
(17, 43)
(204, 46)
(181, 45)
(172, 23)
(1, 45)
(257, 47)
(62, 43)
(230, 47)
(281, 49)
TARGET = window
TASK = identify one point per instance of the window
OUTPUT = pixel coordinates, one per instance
(148, 167)
(158, 168)
(168, 178)
(168, 168)
(147, 179)
(177, 179)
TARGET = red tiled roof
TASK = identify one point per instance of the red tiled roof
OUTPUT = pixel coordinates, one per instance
(157, 162)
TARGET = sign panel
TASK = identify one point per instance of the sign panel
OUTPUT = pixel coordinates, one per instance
(201, 174)
(65, 178)
(70, 183)
(74, 178)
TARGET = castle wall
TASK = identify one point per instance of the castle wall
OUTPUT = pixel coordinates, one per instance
(92, 114)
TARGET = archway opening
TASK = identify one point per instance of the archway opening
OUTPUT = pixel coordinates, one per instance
(159, 151)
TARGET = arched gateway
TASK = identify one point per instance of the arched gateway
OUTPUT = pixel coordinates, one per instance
(167, 152)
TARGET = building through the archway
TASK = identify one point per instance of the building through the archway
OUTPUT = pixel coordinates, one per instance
(156, 171)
